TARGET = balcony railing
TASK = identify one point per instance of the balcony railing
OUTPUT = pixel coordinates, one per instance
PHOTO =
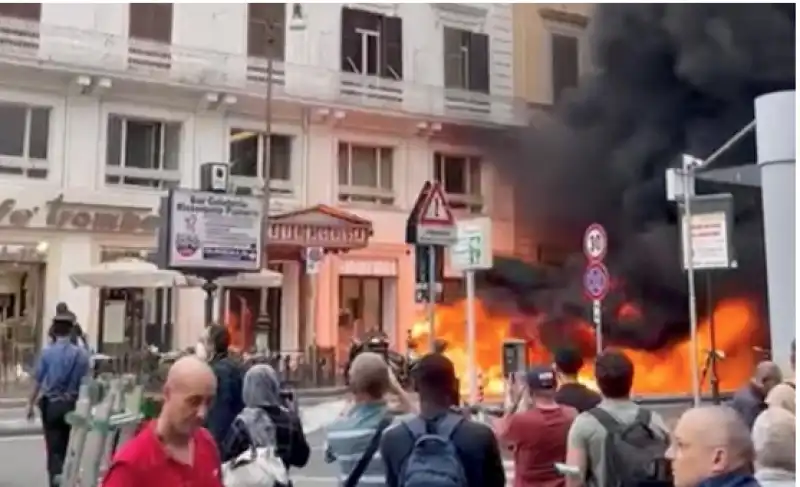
(93, 52)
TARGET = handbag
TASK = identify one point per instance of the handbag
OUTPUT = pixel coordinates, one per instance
(256, 467)
(363, 462)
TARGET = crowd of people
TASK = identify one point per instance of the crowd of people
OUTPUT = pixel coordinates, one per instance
(219, 415)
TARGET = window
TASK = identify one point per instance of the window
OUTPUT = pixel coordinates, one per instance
(372, 44)
(365, 174)
(247, 151)
(142, 152)
(24, 140)
(23, 11)
(20, 36)
(565, 63)
(266, 30)
(460, 177)
(466, 60)
(150, 21)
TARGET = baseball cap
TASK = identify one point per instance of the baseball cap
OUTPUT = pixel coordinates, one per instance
(541, 378)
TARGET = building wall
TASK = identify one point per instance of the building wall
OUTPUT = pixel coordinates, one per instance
(78, 133)
(532, 50)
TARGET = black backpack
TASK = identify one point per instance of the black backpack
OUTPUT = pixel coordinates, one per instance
(635, 452)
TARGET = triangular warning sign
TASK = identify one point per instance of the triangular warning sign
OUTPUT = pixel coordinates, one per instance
(434, 210)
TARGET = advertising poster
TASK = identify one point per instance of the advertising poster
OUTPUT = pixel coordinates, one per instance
(214, 231)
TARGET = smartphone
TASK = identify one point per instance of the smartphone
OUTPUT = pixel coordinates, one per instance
(567, 470)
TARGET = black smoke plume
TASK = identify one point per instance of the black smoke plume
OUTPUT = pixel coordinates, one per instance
(666, 80)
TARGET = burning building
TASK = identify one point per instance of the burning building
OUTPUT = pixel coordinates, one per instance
(666, 80)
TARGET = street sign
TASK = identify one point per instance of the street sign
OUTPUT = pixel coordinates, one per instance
(595, 242)
(313, 259)
(431, 222)
(596, 281)
(473, 249)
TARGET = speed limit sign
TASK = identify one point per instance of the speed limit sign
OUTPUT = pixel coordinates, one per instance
(595, 243)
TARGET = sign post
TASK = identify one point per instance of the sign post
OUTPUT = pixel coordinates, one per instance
(431, 223)
(472, 251)
(596, 279)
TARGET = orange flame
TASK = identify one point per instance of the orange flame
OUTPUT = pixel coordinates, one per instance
(664, 371)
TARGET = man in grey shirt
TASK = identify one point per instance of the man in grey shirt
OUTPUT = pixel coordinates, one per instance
(586, 441)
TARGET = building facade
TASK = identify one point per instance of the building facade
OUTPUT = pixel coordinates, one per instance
(551, 52)
(105, 106)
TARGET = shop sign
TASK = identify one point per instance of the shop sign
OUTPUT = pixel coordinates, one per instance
(339, 236)
(21, 253)
(57, 214)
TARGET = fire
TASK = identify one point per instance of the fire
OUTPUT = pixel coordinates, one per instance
(665, 371)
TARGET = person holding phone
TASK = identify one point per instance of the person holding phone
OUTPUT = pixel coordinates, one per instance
(537, 434)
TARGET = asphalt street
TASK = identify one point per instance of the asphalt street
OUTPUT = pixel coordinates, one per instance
(23, 456)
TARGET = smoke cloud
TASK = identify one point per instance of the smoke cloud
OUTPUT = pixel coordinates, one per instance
(666, 80)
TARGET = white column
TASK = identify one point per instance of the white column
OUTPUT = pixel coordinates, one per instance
(775, 140)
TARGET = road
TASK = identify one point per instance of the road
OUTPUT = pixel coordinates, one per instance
(26, 453)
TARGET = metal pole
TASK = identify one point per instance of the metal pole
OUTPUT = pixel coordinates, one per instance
(431, 297)
(311, 326)
(597, 315)
(473, 366)
(266, 192)
(689, 256)
(712, 339)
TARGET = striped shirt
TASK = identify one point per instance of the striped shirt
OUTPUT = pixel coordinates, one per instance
(348, 438)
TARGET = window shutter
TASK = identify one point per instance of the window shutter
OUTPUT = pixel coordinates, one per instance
(479, 63)
(453, 76)
(24, 11)
(392, 43)
(162, 22)
(351, 42)
(564, 63)
(150, 21)
(139, 21)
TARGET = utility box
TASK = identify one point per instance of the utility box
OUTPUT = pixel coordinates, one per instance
(515, 356)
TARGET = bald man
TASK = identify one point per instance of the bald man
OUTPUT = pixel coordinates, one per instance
(749, 401)
(711, 446)
(175, 449)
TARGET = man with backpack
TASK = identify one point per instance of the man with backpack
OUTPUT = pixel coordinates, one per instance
(438, 447)
(618, 443)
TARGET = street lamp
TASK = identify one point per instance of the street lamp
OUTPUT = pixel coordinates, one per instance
(689, 166)
(296, 23)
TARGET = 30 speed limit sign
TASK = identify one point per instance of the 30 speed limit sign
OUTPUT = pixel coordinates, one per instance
(595, 243)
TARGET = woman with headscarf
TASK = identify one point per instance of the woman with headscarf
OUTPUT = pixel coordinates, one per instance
(265, 421)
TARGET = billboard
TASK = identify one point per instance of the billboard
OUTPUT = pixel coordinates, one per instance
(214, 231)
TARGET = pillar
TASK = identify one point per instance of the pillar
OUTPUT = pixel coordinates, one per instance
(775, 143)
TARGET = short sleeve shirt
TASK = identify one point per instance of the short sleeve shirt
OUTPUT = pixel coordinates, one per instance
(588, 435)
(349, 436)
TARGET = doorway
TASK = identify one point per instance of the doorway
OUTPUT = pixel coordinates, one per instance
(21, 312)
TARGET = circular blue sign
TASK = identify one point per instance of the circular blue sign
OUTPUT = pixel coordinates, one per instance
(596, 281)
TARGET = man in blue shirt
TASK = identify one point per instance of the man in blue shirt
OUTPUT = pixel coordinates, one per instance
(61, 368)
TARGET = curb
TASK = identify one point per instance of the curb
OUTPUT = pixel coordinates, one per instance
(22, 430)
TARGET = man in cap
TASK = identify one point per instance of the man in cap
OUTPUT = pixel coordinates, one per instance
(537, 436)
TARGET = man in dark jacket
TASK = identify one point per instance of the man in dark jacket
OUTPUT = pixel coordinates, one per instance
(749, 400)
(76, 335)
(228, 402)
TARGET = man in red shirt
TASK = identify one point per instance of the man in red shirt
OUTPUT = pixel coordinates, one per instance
(173, 450)
(537, 436)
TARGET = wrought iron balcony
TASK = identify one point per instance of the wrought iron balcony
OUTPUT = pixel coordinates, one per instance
(93, 52)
